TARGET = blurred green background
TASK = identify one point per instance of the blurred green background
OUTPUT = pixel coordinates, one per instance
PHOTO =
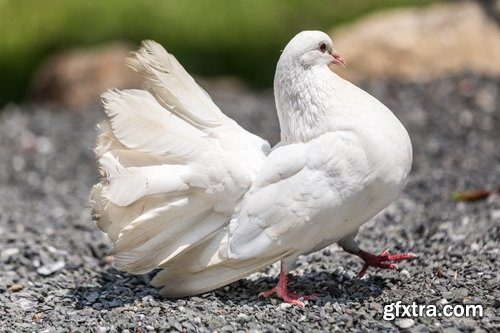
(236, 37)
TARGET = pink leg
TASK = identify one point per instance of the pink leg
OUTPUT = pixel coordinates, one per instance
(281, 290)
(381, 260)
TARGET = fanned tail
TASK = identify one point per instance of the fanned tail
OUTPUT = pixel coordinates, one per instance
(173, 169)
(174, 88)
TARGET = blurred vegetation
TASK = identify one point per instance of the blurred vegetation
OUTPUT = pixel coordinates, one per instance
(237, 37)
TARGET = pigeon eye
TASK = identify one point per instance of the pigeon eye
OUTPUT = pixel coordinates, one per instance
(322, 47)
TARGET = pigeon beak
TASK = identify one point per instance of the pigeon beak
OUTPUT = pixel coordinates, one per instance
(337, 59)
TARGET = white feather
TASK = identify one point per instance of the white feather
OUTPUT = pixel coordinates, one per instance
(175, 215)
(127, 185)
(106, 140)
(171, 242)
(140, 123)
(112, 218)
(174, 88)
(174, 167)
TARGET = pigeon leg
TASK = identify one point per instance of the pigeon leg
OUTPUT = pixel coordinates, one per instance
(281, 290)
(381, 260)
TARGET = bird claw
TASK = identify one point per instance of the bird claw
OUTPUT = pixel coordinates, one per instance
(381, 260)
(287, 296)
(282, 292)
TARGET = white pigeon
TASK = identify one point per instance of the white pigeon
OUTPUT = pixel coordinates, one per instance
(184, 188)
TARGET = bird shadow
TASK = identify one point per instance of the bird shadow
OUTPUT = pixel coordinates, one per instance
(328, 287)
(112, 289)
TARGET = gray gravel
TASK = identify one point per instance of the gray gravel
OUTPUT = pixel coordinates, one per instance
(55, 276)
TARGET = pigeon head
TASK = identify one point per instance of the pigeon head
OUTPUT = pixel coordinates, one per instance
(310, 48)
(304, 86)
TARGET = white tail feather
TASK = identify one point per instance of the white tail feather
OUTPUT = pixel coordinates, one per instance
(154, 131)
(174, 168)
(174, 88)
(175, 216)
(106, 140)
(171, 242)
(112, 219)
(127, 185)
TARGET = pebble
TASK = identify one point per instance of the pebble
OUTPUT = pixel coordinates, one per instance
(345, 318)
(404, 323)
(284, 306)
(9, 253)
(443, 301)
(51, 268)
(496, 303)
(451, 330)
(457, 295)
(405, 273)
(15, 287)
(243, 317)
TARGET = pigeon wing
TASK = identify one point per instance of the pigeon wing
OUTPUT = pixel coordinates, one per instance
(299, 193)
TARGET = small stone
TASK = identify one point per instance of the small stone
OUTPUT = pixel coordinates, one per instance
(284, 306)
(15, 287)
(101, 329)
(243, 317)
(376, 307)
(405, 273)
(496, 303)
(227, 328)
(442, 301)
(24, 301)
(345, 318)
(92, 297)
(336, 306)
(190, 327)
(49, 269)
(404, 323)
(475, 247)
(495, 214)
(458, 294)
(9, 253)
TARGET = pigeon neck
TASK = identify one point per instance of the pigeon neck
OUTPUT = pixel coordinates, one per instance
(305, 101)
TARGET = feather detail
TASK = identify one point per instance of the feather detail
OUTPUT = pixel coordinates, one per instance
(174, 216)
(174, 88)
(174, 168)
(112, 218)
(126, 185)
(106, 140)
(171, 241)
(140, 123)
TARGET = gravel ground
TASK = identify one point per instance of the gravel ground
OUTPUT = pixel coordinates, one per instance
(55, 275)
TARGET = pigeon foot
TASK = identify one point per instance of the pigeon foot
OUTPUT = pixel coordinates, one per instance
(381, 260)
(282, 292)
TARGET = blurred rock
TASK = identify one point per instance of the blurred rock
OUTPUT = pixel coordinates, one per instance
(422, 42)
(75, 79)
